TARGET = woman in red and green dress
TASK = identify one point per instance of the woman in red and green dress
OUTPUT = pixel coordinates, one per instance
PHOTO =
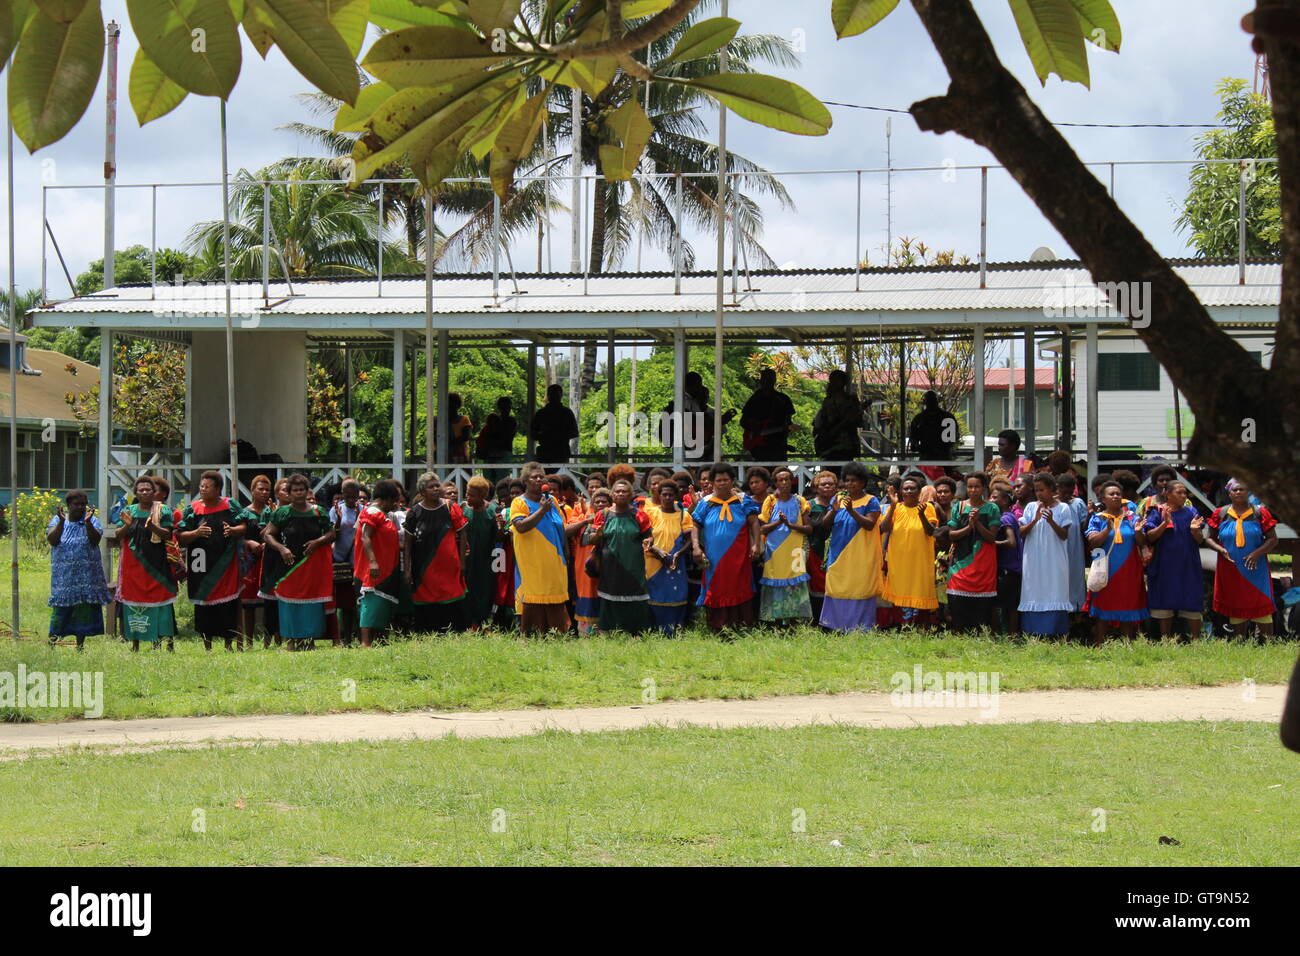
(481, 543)
(619, 532)
(433, 543)
(212, 528)
(973, 528)
(148, 588)
(250, 598)
(375, 560)
(586, 605)
(298, 565)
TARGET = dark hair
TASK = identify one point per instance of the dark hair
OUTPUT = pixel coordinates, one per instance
(945, 480)
(297, 478)
(1066, 480)
(722, 468)
(759, 471)
(1059, 458)
(75, 493)
(914, 479)
(1159, 470)
(621, 472)
(161, 485)
(682, 479)
(565, 482)
(1099, 479)
(979, 476)
(1128, 481)
(665, 472)
(854, 469)
(212, 475)
(387, 488)
(784, 470)
(1045, 478)
(1011, 435)
(669, 485)
(603, 476)
(1111, 483)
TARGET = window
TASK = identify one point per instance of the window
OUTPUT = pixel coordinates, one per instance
(1127, 372)
(1020, 413)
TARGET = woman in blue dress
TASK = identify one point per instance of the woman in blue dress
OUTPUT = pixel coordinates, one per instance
(78, 591)
(1175, 532)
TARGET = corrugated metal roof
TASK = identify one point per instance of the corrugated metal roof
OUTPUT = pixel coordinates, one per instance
(1009, 286)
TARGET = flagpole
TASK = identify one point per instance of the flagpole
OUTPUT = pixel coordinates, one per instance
(230, 333)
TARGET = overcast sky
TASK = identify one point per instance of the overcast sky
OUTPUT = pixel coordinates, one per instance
(1174, 53)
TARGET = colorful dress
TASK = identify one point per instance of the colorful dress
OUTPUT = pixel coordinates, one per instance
(1124, 598)
(250, 565)
(910, 584)
(1078, 577)
(1239, 593)
(1174, 574)
(784, 580)
(212, 566)
(1045, 602)
(381, 590)
(973, 571)
(541, 575)
(480, 579)
(817, 555)
(78, 591)
(854, 559)
(145, 578)
(437, 577)
(624, 601)
(724, 538)
(302, 587)
(586, 605)
(668, 589)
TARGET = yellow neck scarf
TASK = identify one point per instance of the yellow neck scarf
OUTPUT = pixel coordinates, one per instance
(725, 510)
(1241, 524)
(1117, 521)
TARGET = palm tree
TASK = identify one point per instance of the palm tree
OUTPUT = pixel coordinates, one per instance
(316, 228)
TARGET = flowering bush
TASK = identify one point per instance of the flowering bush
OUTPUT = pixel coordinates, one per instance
(33, 512)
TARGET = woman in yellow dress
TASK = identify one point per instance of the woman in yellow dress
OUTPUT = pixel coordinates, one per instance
(910, 581)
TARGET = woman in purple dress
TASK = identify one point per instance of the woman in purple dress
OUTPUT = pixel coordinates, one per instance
(1174, 532)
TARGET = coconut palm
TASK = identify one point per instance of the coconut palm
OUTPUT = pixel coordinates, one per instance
(316, 228)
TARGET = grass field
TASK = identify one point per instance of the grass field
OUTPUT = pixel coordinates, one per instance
(501, 671)
(1025, 794)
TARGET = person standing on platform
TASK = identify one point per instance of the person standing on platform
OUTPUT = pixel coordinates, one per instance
(553, 427)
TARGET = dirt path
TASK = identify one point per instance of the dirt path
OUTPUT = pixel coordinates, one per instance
(1229, 702)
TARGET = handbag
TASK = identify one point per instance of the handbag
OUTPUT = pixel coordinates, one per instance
(1099, 570)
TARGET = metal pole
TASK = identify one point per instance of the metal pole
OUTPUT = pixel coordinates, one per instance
(857, 237)
(45, 285)
(531, 386)
(1241, 223)
(153, 241)
(430, 438)
(977, 401)
(575, 171)
(1178, 423)
(1091, 332)
(575, 393)
(721, 251)
(679, 397)
(105, 438)
(735, 238)
(902, 400)
(444, 421)
(230, 333)
(984, 223)
(112, 32)
(266, 244)
(677, 241)
(347, 394)
(1031, 393)
(14, 604)
(399, 400)
(610, 397)
(1067, 391)
(496, 244)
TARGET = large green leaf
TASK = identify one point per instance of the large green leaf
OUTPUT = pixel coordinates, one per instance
(350, 18)
(1053, 36)
(153, 93)
(14, 16)
(64, 11)
(1100, 25)
(396, 14)
(354, 119)
(632, 128)
(635, 9)
(767, 100)
(705, 37)
(424, 56)
(488, 15)
(314, 47)
(513, 141)
(851, 17)
(257, 24)
(53, 75)
(194, 42)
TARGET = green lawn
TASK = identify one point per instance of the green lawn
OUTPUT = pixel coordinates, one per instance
(946, 795)
(501, 671)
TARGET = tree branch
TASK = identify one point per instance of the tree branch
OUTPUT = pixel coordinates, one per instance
(645, 34)
(1222, 382)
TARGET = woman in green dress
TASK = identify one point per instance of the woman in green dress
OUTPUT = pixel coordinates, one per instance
(482, 534)
(619, 533)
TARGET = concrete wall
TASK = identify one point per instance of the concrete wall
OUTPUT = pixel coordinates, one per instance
(270, 394)
(1137, 419)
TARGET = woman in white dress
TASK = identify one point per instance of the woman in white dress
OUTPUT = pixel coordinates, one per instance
(1045, 599)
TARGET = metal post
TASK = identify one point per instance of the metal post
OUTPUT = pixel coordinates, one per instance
(1178, 422)
(1091, 331)
(857, 237)
(14, 603)
(984, 223)
(104, 439)
(677, 240)
(575, 392)
(496, 245)
(45, 285)
(111, 32)
(153, 242)
(532, 397)
(379, 247)
(679, 398)
(721, 250)
(610, 398)
(1067, 391)
(444, 420)
(430, 438)
(902, 400)
(977, 401)
(1241, 223)
(266, 244)
(188, 456)
(399, 399)
(735, 239)
(230, 333)
(575, 171)
(347, 393)
(1031, 393)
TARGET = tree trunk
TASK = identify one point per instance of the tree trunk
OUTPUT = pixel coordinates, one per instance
(1245, 421)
